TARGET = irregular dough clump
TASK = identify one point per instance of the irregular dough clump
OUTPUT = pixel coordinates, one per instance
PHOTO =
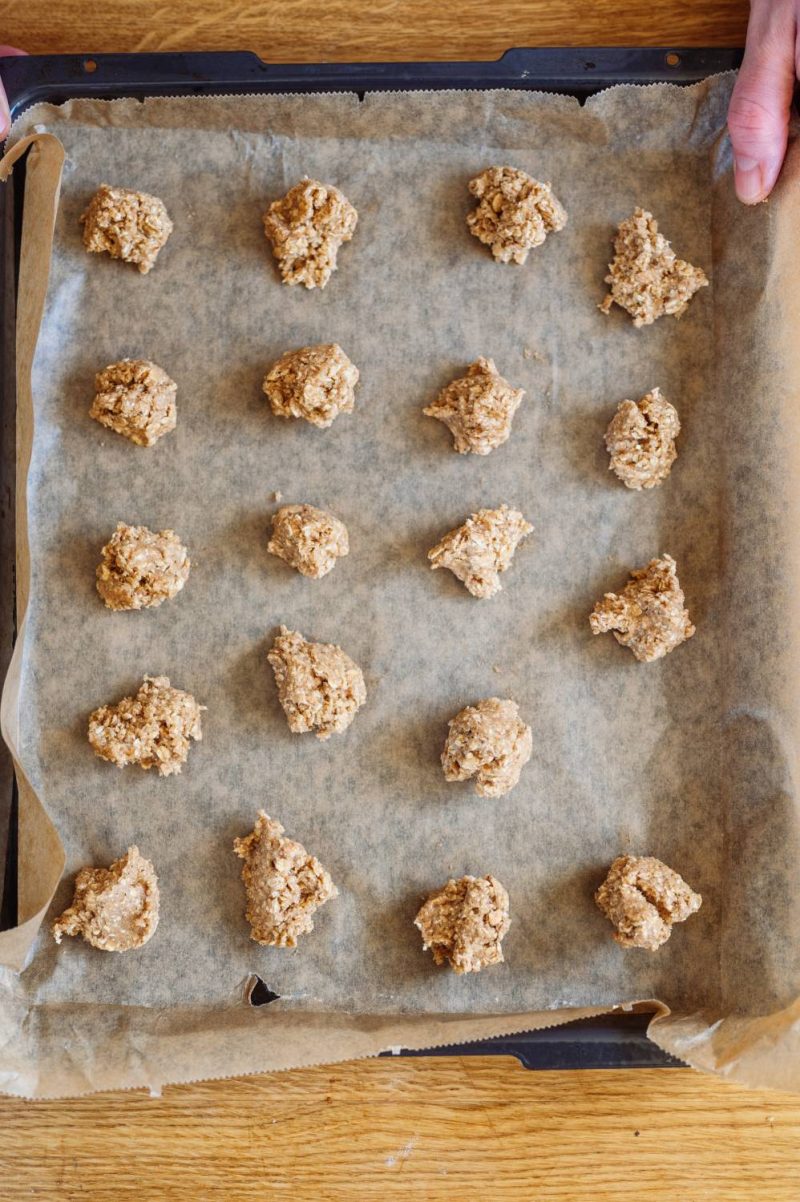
(308, 539)
(647, 279)
(463, 924)
(152, 729)
(489, 741)
(641, 440)
(285, 885)
(319, 687)
(135, 398)
(642, 897)
(648, 615)
(316, 383)
(306, 228)
(477, 408)
(515, 213)
(128, 225)
(482, 548)
(115, 909)
(140, 568)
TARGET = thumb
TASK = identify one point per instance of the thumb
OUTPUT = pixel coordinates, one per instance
(758, 118)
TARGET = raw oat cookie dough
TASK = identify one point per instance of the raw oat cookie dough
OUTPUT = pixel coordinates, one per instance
(285, 886)
(649, 614)
(642, 897)
(489, 741)
(306, 228)
(135, 398)
(463, 924)
(319, 687)
(115, 909)
(316, 383)
(128, 225)
(647, 278)
(477, 552)
(308, 539)
(477, 408)
(515, 213)
(140, 568)
(154, 729)
(641, 440)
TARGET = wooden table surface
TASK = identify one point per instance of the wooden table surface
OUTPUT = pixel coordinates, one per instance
(424, 1129)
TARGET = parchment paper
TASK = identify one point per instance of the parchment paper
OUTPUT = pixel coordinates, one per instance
(691, 759)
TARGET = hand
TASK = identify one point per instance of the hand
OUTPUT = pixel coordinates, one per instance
(758, 116)
(5, 119)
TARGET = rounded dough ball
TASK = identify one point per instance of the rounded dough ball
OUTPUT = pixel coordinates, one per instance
(141, 569)
(128, 225)
(154, 729)
(319, 687)
(308, 539)
(515, 212)
(115, 909)
(463, 924)
(306, 228)
(135, 398)
(641, 440)
(490, 742)
(477, 408)
(316, 383)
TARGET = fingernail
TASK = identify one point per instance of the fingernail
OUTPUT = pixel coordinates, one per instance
(749, 180)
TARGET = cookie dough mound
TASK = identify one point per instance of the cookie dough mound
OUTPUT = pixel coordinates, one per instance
(135, 398)
(482, 548)
(477, 408)
(319, 687)
(308, 539)
(154, 729)
(463, 924)
(140, 568)
(316, 383)
(127, 225)
(647, 279)
(515, 212)
(306, 228)
(642, 897)
(648, 615)
(489, 741)
(115, 909)
(285, 886)
(641, 440)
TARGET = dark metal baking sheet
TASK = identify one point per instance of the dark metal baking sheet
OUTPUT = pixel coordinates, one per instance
(616, 1041)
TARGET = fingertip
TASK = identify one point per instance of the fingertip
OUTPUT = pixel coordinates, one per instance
(754, 180)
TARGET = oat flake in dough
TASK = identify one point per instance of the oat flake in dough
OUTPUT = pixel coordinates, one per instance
(285, 886)
(464, 923)
(642, 897)
(477, 408)
(140, 569)
(115, 909)
(308, 539)
(649, 614)
(154, 729)
(477, 552)
(127, 225)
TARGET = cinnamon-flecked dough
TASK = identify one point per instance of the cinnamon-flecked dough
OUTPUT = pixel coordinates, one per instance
(490, 742)
(477, 408)
(646, 277)
(114, 909)
(642, 897)
(285, 886)
(306, 228)
(308, 539)
(140, 569)
(641, 440)
(477, 552)
(319, 687)
(316, 383)
(515, 212)
(154, 729)
(463, 924)
(649, 615)
(128, 225)
(135, 398)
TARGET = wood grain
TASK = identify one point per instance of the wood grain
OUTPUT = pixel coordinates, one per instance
(433, 1129)
(299, 31)
(441, 1130)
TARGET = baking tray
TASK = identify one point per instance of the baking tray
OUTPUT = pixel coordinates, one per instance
(616, 1041)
